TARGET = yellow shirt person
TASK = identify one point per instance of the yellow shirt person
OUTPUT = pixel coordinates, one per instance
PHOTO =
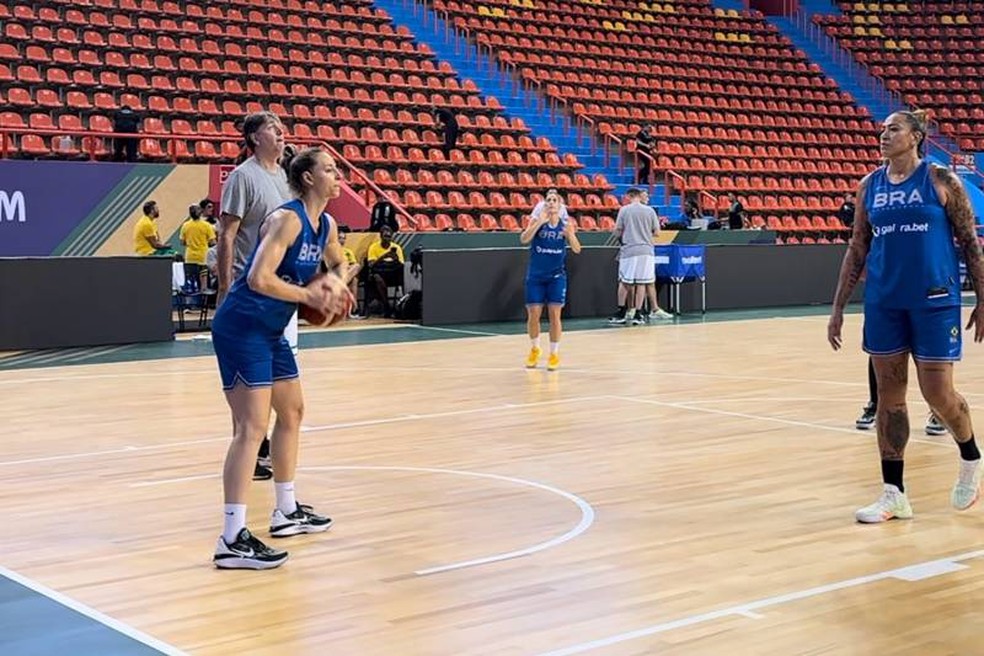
(197, 235)
(146, 241)
(377, 250)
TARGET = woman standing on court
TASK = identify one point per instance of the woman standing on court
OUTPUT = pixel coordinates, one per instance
(253, 189)
(546, 277)
(908, 214)
(256, 363)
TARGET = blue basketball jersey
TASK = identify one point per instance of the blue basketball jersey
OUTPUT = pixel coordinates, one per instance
(244, 307)
(912, 263)
(548, 251)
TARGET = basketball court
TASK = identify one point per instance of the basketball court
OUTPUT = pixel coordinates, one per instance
(681, 488)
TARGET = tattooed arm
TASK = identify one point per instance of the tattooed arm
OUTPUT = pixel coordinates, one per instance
(961, 215)
(851, 267)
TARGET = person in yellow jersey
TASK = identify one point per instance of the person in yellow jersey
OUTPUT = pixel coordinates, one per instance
(146, 240)
(352, 278)
(197, 235)
(385, 258)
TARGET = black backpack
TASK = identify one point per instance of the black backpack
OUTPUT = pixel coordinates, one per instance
(409, 307)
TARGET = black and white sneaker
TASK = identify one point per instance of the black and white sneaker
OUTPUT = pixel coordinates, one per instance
(619, 317)
(247, 552)
(934, 426)
(262, 472)
(640, 318)
(867, 418)
(302, 520)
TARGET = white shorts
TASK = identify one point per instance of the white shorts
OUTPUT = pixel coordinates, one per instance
(637, 269)
(290, 334)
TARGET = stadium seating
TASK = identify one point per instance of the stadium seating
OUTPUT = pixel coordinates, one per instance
(735, 107)
(340, 72)
(929, 52)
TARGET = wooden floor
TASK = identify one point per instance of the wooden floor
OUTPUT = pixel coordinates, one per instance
(672, 490)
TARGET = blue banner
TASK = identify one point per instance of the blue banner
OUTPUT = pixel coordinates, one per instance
(680, 263)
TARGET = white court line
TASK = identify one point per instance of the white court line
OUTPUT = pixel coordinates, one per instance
(92, 614)
(105, 350)
(587, 512)
(463, 332)
(778, 420)
(308, 429)
(743, 610)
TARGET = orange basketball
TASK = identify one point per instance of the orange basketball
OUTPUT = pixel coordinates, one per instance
(316, 317)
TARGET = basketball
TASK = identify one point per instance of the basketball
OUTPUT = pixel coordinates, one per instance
(315, 317)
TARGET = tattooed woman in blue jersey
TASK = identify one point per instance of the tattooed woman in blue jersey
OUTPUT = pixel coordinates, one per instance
(908, 216)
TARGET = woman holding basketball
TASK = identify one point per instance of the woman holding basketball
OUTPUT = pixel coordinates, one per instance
(256, 363)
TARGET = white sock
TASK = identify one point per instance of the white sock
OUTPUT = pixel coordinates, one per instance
(285, 497)
(535, 342)
(234, 521)
(554, 347)
(630, 313)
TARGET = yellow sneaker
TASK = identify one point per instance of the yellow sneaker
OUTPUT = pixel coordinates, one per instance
(553, 362)
(533, 358)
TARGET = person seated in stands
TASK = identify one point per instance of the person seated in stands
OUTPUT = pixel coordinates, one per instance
(385, 268)
(354, 267)
(146, 240)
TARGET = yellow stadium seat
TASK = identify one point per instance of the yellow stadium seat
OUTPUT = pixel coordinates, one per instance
(733, 13)
(644, 6)
(905, 45)
(607, 25)
(719, 36)
(873, 20)
(874, 31)
(718, 12)
(859, 6)
(888, 8)
(484, 11)
(744, 38)
(962, 20)
(891, 45)
(858, 19)
(860, 31)
(946, 19)
(873, 6)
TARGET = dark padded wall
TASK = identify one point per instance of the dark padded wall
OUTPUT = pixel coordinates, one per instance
(477, 285)
(51, 302)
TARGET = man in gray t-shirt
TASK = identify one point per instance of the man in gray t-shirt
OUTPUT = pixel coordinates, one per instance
(635, 227)
(253, 190)
(249, 194)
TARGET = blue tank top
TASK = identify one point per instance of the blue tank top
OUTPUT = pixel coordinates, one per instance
(245, 308)
(548, 251)
(912, 263)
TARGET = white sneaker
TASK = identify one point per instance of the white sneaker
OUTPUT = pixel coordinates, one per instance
(968, 486)
(660, 313)
(892, 504)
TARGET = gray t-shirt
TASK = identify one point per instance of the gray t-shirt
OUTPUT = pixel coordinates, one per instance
(251, 192)
(637, 224)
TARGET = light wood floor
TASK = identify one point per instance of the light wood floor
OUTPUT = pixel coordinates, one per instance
(700, 482)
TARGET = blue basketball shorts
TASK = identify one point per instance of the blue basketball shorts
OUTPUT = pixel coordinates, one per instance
(549, 291)
(931, 334)
(254, 360)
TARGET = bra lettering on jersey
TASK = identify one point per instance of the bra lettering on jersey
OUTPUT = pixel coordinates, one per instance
(897, 199)
(309, 253)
